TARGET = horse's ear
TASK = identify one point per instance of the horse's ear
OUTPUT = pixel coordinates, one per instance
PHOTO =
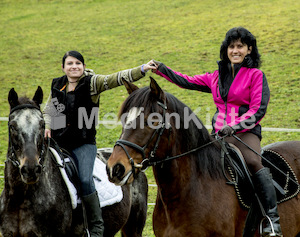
(129, 86)
(156, 90)
(13, 98)
(38, 96)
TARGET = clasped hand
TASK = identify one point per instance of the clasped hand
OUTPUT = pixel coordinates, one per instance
(152, 64)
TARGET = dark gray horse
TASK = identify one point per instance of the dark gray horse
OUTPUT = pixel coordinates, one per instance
(35, 200)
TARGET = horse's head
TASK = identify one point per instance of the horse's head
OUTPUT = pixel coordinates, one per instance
(26, 135)
(144, 131)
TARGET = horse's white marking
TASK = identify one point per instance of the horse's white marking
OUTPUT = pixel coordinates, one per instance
(133, 114)
(28, 121)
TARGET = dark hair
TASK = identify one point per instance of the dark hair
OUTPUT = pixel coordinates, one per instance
(251, 61)
(74, 54)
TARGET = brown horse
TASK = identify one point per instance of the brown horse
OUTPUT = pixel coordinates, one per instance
(193, 198)
(35, 201)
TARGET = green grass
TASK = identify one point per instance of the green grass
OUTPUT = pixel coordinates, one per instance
(119, 34)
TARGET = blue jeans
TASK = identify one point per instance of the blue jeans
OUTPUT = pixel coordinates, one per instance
(84, 157)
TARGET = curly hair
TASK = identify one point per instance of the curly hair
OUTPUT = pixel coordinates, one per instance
(251, 61)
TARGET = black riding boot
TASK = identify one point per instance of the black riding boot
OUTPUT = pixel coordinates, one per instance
(94, 214)
(267, 195)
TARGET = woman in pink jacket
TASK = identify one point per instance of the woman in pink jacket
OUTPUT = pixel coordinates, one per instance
(241, 94)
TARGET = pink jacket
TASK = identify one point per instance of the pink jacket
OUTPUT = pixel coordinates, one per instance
(242, 105)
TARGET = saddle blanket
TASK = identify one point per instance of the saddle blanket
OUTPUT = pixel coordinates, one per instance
(108, 192)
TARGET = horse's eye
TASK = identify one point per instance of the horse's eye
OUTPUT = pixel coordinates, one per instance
(16, 147)
(13, 128)
(152, 122)
(40, 142)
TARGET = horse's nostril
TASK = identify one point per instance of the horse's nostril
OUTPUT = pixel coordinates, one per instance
(32, 172)
(24, 170)
(118, 171)
(38, 169)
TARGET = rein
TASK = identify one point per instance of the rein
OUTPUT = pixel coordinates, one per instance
(266, 160)
(13, 159)
(152, 161)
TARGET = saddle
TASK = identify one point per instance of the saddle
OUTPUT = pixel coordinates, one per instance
(108, 193)
(68, 163)
(284, 178)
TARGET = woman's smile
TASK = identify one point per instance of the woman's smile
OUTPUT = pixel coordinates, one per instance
(237, 51)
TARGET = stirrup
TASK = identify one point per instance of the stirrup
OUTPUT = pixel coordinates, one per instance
(272, 234)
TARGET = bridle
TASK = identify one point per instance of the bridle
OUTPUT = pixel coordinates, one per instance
(151, 160)
(13, 158)
(147, 161)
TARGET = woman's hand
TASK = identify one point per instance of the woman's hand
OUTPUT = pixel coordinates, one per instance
(153, 65)
(47, 133)
(226, 131)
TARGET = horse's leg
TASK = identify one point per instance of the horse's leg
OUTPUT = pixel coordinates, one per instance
(159, 219)
(77, 221)
(138, 213)
(116, 215)
(9, 226)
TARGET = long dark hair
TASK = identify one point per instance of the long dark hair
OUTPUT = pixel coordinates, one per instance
(74, 54)
(253, 60)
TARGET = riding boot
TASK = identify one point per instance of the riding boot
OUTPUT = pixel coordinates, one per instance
(267, 195)
(94, 215)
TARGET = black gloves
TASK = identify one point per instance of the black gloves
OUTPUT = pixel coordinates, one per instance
(156, 62)
(226, 131)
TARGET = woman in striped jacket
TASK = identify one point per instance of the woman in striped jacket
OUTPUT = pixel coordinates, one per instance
(73, 98)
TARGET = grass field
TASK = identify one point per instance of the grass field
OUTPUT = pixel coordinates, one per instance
(118, 34)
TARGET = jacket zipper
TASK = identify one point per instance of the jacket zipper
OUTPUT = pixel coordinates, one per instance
(225, 113)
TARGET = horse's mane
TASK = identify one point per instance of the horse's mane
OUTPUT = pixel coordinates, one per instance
(207, 160)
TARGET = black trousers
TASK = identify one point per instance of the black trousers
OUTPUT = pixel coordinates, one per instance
(253, 160)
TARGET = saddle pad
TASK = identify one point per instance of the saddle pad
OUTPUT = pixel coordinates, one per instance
(108, 192)
(282, 174)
